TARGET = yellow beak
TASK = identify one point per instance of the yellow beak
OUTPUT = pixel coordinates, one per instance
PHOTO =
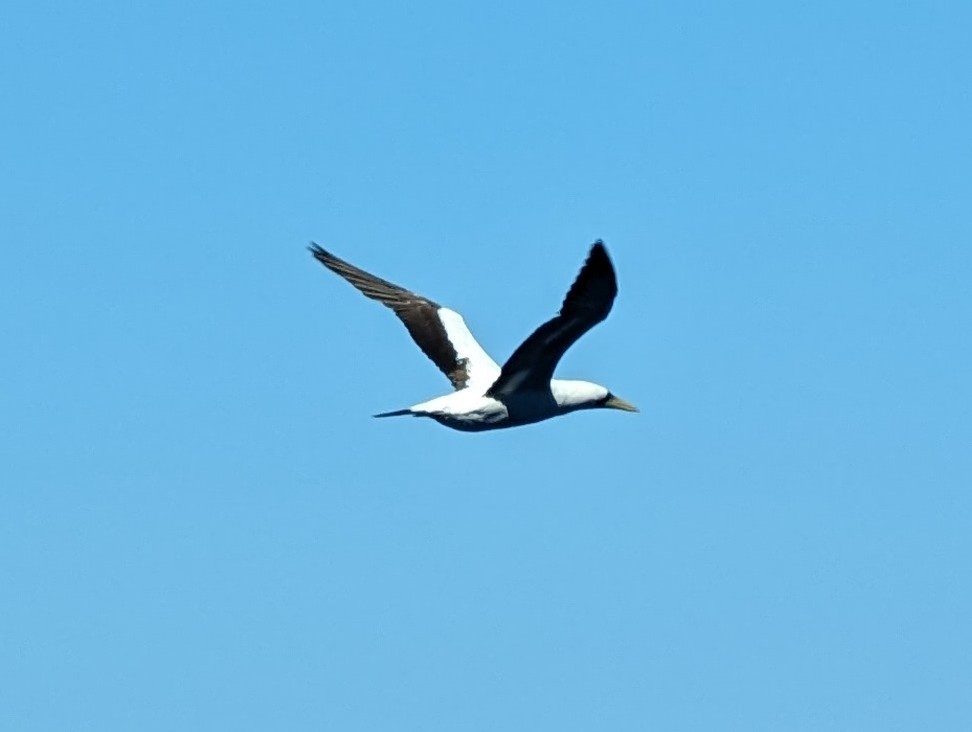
(614, 403)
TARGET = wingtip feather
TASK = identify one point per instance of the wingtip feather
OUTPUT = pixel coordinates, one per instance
(598, 249)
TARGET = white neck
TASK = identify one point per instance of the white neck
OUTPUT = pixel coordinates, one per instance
(573, 394)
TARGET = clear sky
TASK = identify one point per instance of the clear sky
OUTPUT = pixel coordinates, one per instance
(202, 528)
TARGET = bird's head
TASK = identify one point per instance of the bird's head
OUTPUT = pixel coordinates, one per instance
(571, 394)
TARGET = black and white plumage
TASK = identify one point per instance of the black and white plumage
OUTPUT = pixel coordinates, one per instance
(486, 396)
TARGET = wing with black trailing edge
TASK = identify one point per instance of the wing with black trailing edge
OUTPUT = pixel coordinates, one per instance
(441, 333)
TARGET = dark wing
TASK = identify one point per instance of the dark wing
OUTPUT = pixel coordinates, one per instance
(587, 303)
(419, 314)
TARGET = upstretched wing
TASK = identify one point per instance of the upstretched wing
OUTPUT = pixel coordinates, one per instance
(587, 303)
(441, 333)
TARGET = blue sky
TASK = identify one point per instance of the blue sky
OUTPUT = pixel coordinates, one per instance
(202, 528)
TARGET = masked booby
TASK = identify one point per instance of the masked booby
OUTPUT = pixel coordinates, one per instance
(523, 390)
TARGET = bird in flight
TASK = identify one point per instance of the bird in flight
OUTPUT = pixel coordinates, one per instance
(486, 396)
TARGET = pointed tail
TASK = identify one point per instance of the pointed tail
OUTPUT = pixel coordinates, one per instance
(396, 413)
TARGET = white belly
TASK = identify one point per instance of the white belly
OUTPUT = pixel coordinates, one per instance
(465, 410)
(469, 410)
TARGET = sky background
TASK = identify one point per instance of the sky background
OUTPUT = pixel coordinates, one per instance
(201, 527)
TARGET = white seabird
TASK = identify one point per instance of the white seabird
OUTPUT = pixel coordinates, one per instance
(487, 397)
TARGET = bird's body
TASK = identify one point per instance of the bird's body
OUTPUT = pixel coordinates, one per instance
(488, 397)
(469, 410)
